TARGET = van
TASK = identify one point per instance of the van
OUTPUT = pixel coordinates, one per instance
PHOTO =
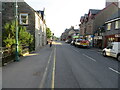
(112, 50)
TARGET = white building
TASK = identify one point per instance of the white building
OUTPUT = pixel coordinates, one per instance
(40, 29)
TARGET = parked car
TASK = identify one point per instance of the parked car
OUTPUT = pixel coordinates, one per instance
(73, 42)
(82, 43)
(112, 50)
(77, 42)
(68, 41)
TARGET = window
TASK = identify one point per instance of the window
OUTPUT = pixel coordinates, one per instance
(109, 47)
(109, 26)
(117, 24)
(24, 18)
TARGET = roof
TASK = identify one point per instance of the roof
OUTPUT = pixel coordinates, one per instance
(42, 13)
(94, 11)
(82, 17)
(114, 17)
(86, 15)
(107, 7)
(76, 29)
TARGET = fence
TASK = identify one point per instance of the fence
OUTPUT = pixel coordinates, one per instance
(7, 56)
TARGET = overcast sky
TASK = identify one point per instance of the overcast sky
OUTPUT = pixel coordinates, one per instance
(62, 14)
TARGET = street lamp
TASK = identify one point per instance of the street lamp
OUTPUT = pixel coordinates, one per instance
(16, 25)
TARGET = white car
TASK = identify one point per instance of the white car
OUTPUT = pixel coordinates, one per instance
(112, 50)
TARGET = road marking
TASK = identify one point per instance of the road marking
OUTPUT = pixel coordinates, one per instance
(45, 73)
(53, 73)
(89, 57)
(75, 50)
(114, 70)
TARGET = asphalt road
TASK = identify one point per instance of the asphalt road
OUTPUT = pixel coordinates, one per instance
(63, 66)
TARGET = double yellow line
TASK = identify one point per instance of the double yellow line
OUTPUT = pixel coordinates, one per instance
(45, 72)
(53, 72)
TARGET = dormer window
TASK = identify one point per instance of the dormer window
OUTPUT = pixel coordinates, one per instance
(23, 19)
(117, 24)
(109, 26)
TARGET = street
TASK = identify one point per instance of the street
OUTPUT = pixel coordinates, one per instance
(62, 66)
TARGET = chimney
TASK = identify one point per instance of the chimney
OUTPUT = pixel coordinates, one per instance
(108, 2)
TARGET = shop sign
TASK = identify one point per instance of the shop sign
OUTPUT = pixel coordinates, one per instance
(81, 36)
(117, 35)
(75, 36)
(100, 37)
(92, 36)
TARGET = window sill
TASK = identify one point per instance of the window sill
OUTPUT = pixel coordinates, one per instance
(24, 24)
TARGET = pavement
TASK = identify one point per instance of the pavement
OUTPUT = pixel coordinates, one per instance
(0, 78)
(28, 72)
(97, 49)
(63, 66)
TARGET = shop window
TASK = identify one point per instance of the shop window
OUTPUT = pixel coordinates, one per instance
(24, 19)
(117, 24)
(109, 26)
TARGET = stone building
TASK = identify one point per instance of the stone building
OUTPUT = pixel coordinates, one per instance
(112, 29)
(87, 24)
(0, 24)
(70, 33)
(43, 26)
(91, 23)
(27, 17)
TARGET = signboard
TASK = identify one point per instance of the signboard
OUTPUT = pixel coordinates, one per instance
(92, 36)
(117, 35)
(75, 36)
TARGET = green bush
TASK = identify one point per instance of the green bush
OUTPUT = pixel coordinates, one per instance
(24, 37)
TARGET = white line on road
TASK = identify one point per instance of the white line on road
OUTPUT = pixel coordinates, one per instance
(53, 73)
(45, 73)
(114, 70)
(75, 50)
(89, 57)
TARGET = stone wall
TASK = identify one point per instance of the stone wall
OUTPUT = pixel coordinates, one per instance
(8, 15)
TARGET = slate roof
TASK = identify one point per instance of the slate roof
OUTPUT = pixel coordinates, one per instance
(94, 11)
(86, 15)
(42, 13)
(82, 17)
(114, 16)
(76, 29)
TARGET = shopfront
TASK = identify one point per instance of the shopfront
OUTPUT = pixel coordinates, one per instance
(98, 40)
(111, 38)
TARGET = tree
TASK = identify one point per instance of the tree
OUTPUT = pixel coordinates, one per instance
(24, 37)
(48, 33)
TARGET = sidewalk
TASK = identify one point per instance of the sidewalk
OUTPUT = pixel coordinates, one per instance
(28, 72)
(96, 49)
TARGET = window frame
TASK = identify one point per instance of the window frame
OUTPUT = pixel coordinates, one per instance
(118, 24)
(109, 26)
(20, 18)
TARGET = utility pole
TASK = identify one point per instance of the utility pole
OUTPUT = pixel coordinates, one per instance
(16, 24)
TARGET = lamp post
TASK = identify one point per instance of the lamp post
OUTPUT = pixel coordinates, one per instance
(16, 25)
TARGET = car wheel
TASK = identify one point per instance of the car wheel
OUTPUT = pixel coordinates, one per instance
(118, 57)
(104, 53)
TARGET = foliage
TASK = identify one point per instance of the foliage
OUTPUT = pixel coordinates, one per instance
(24, 37)
(48, 33)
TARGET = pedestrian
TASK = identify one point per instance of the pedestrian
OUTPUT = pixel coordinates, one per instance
(47, 42)
(50, 43)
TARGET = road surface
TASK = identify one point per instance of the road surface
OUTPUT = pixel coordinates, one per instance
(63, 66)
